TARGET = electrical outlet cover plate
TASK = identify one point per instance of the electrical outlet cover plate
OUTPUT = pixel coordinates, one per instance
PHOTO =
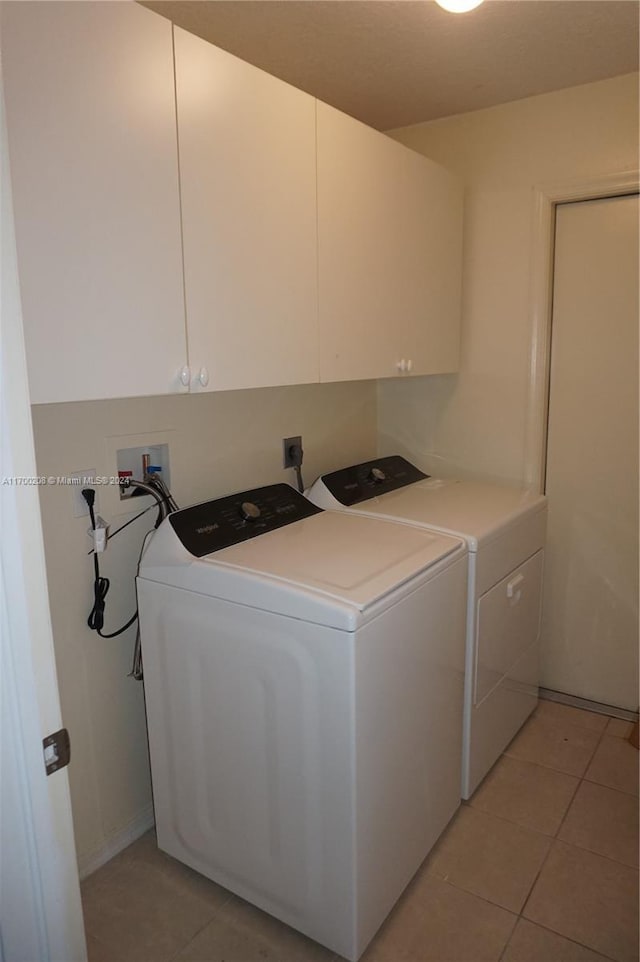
(82, 479)
(287, 443)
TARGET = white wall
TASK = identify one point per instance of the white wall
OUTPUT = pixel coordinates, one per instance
(219, 443)
(474, 423)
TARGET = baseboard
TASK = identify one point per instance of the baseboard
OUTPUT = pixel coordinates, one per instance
(90, 862)
(596, 706)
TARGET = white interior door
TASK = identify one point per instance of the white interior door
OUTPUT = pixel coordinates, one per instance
(41, 914)
(590, 608)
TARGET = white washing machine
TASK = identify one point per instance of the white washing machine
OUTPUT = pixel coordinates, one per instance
(304, 676)
(505, 532)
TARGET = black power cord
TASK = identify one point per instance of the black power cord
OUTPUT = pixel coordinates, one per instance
(296, 455)
(130, 521)
(101, 585)
(165, 504)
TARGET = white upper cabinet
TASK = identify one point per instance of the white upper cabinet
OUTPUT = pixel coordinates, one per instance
(432, 252)
(247, 151)
(185, 221)
(92, 138)
(389, 255)
(360, 248)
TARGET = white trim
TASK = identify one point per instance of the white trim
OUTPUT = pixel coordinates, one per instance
(545, 200)
(143, 821)
(42, 910)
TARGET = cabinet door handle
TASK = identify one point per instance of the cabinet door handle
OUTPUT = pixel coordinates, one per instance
(203, 376)
(185, 376)
(409, 367)
(401, 366)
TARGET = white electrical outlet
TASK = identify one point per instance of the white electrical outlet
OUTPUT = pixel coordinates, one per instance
(82, 479)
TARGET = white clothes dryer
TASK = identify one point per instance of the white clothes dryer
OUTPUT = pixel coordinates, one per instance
(505, 531)
(304, 676)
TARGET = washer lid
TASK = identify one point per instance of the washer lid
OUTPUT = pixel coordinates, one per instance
(479, 512)
(333, 568)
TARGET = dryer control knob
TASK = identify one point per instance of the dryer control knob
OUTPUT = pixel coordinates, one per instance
(377, 475)
(249, 511)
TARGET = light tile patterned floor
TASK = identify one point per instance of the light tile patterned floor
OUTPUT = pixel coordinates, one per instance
(541, 865)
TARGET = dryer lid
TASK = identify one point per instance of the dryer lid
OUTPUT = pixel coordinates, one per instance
(477, 511)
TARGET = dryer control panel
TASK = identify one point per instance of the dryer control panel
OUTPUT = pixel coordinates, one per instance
(360, 482)
(218, 524)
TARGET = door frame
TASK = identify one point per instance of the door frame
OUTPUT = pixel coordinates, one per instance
(545, 201)
(38, 870)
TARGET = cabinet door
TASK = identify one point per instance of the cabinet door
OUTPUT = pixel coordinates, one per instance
(91, 124)
(247, 168)
(389, 255)
(360, 248)
(432, 253)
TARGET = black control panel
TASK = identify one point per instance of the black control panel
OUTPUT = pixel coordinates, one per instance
(361, 482)
(218, 524)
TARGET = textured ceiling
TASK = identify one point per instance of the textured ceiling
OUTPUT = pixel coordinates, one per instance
(391, 63)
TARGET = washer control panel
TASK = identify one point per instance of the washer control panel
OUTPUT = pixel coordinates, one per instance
(218, 524)
(360, 482)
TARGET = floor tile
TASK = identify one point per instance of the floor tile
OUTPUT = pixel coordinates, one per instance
(144, 856)
(439, 923)
(490, 857)
(619, 728)
(532, 796)
(556, 712)
(144, 906)
(589, 899)
(560, 745)
(239, 932)
(615, 764)
(97, 952)
(530, 943)
(605, 821)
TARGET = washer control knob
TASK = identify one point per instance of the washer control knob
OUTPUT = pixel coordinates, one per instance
(377, 475)
(249, 511)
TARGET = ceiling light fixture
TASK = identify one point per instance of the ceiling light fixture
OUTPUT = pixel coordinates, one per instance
(458, 6)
